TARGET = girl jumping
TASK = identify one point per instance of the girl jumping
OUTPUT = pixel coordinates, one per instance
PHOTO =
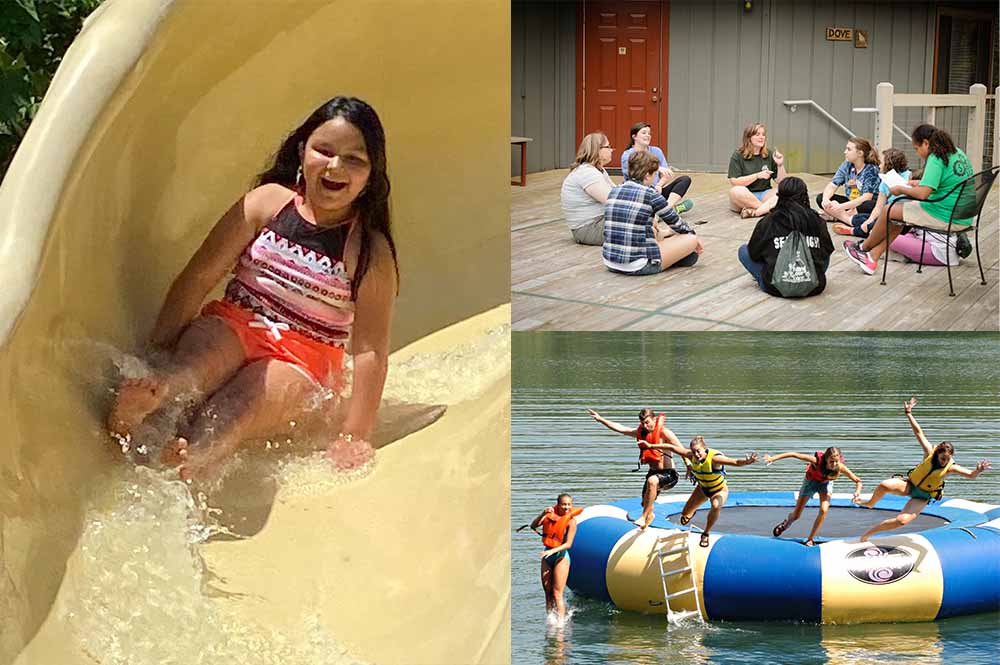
(924, 483)
(707, 466)
(823, 469)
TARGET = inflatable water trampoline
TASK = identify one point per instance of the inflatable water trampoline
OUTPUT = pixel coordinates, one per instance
(945, 563)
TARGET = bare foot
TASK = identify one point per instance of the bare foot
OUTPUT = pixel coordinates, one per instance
(642, 522)
(137, 398)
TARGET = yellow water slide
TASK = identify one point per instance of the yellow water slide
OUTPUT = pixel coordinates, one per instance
(158, 119)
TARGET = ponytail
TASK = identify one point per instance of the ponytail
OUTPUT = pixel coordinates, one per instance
(939, 142)
(867, 149)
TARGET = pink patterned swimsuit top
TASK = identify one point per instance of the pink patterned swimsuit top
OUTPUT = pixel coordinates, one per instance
(293, 275)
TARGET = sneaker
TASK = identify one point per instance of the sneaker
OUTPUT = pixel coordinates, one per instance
(684, 206)
(860, 256)
(843, 229)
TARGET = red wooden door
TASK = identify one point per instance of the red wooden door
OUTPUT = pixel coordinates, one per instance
(622, 71)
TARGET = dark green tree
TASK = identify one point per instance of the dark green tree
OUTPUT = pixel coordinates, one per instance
(34, 35)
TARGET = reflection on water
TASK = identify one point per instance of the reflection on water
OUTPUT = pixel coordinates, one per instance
(920, 641)
(773, 393)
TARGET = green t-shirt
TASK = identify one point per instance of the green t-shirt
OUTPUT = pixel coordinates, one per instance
(941, 178)
(739, 167)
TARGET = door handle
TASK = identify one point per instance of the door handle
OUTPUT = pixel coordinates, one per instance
(655, 99)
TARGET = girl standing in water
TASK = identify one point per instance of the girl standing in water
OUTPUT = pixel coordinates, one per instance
(558, 525)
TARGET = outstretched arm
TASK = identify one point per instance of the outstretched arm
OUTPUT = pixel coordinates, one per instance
(857, 481)
(611, 425)
(570, 535)
(669, 441)
(908, 409)
(729, 461)
(983, 465)
(793, 455)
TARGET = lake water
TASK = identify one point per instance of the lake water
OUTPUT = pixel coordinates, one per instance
(772, 393)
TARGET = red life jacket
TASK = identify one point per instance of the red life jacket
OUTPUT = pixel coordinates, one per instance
(554, 527)
(651, 455)
(816, 471)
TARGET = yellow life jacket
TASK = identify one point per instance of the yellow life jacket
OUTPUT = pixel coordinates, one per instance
(929, 479)
(711, 480)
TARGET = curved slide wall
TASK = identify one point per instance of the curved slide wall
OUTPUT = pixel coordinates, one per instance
(159, 118)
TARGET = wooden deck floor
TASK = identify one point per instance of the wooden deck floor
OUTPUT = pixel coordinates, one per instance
(559, 285)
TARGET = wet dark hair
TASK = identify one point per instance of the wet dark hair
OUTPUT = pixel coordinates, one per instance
(372, 205)
(792, 190)
(642, 414)
(560, 497)
(636, 128)
(944, 445)
(939, 141)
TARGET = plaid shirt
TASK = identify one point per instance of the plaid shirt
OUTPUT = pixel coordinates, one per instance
(628, 223)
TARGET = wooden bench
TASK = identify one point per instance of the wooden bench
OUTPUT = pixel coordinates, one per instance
(523, 142)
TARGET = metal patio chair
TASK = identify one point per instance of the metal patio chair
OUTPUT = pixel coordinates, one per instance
(972, 193)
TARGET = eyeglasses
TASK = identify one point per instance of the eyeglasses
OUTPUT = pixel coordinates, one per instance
(607, 146)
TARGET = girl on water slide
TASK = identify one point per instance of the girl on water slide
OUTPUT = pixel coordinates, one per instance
(314, 277)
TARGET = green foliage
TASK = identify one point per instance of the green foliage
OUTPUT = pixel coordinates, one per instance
(34, 35)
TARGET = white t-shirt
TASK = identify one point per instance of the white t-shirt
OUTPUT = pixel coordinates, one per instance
(579, 207)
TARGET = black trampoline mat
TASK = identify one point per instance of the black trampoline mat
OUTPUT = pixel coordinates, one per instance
(841, 522)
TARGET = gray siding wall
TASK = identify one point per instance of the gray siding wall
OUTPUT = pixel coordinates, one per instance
(729, 67)
(543, 83)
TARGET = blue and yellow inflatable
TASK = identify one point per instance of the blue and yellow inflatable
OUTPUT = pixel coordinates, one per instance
(944, 571)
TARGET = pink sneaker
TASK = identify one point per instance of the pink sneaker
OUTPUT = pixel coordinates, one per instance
(860, 256)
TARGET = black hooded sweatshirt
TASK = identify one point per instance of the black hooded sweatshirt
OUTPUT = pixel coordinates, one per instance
(770, 233)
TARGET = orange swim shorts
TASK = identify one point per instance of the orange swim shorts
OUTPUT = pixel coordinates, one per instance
(262, 338)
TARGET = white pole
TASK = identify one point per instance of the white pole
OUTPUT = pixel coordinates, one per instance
(883, 117)
(977, 127)
(996, 127)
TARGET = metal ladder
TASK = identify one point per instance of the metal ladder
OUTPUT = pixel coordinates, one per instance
(665, 548)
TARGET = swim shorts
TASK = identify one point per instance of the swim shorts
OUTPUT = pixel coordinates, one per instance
(263, 339)
(666, 479)
(917, 493)
(553, 559)
(810, 487)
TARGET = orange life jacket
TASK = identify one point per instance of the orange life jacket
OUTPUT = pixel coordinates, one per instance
(650, 455)
(554, 527)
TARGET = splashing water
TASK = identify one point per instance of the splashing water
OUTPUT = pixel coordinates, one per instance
(136, 588)
(454, 375)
